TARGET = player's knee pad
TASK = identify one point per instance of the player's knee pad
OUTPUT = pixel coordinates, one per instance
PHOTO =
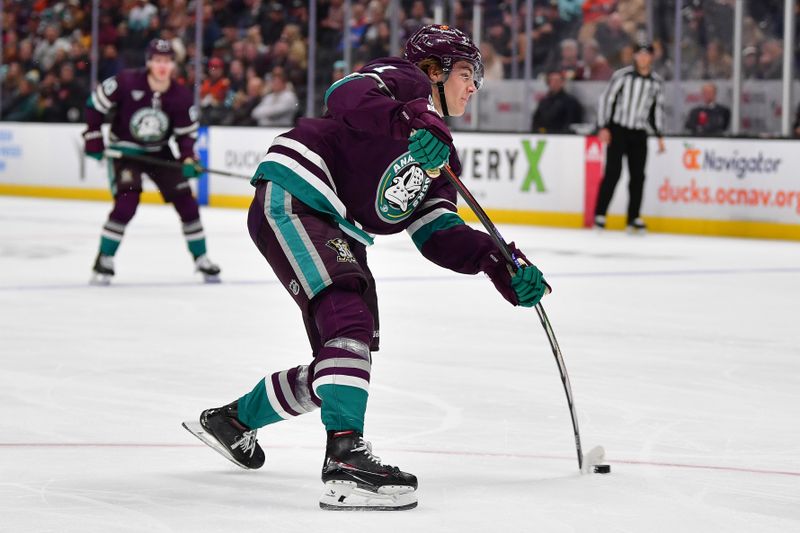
(187, 208)
(342, 313)
(125, 205)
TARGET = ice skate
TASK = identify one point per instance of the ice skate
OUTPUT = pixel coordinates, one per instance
(355, 480)
(221, 429)
(103, 270)
(599, 223)
(637, 227)
(209, 270)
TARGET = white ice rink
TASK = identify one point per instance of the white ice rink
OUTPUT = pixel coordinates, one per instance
(684, 355)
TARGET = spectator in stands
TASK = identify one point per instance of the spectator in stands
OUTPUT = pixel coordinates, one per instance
(339, 70)
(492, 64)
(770, 63)
(71, 94)
(750, 62)
(662, 65)
(237, 76)
(272, 28)
(25, 55)
(279, 106)
(545, 34)
(569, 62)
(244, 103)
(110, 63)
(612, 38)
(47, 50)
(718, 63)
(710, 118)
(23, 106)
(140, 15)
(213, 91)
(558, 109)
(595, 65)
(418, 17)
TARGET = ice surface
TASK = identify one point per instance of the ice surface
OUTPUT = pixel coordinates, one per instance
(684, 356)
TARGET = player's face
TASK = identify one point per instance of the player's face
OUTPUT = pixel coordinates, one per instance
(161, 67)
(459, 87)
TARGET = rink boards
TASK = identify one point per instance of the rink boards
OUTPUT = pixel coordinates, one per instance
(736, 187)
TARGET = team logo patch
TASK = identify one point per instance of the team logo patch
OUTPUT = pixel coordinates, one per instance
(126, 176)
(401, 190)
(342, 249)
(294, 287)
(137, 95)
(149, 125)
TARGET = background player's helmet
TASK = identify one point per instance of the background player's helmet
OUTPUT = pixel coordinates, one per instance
(160, 47)
(446, 44)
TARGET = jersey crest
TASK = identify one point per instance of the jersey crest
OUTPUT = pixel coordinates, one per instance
(149, 124)
(402, 188)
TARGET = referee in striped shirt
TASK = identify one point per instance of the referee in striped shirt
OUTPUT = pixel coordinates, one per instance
(631, 105)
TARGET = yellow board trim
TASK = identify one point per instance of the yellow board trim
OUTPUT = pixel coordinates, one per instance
(717, 228)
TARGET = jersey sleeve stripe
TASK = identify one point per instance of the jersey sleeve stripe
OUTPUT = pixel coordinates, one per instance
(339, 83)
(437, 220)
(186, 129)
(101, 101)
(313, 157)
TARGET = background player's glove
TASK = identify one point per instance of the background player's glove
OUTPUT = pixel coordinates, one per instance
(525, 287)
(428, 150)
(190, 168)
(93, 145)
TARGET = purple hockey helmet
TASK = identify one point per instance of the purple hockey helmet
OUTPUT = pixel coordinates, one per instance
(160, 47)
(447, 45)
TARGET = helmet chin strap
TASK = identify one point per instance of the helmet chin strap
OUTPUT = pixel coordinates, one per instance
(442, 99)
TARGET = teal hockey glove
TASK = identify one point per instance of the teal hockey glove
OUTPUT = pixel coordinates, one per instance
(428, 150)
(190, 168)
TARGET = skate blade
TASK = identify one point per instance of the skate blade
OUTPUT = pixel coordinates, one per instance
(593, 457)
(211, 278)
(347, 496)
(196, 429)
(100, 280)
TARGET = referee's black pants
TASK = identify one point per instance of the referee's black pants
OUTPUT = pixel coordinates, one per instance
(632, 143)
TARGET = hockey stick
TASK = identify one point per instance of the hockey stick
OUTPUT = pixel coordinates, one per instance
(118, 154)
(596, 455)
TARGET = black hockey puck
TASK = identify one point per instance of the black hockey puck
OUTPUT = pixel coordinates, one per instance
(602, 469)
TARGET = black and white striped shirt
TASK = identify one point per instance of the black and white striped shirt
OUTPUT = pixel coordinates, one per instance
(633, 101)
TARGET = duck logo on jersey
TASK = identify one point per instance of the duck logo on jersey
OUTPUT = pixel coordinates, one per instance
(401, 190)
(342, 249)
(149, 125)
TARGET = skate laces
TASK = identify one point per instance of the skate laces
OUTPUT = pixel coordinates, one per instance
(106, 261)
(247, 443)
(366, 447)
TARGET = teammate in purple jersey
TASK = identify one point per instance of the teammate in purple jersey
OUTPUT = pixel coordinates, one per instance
(146, 109)
(322, 190)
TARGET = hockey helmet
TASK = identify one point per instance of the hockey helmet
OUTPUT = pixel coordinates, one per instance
(160, 47)
(446, 44)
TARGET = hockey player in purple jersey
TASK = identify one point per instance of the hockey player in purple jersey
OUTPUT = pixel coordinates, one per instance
(146, 108)
(322, 191)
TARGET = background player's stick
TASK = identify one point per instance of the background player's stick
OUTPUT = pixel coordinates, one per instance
(597, 454)
(118, 154)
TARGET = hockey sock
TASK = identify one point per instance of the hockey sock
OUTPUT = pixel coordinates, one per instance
(281, 396)
(342, 366)
(114, 229)
(187, 209)
(195, 238)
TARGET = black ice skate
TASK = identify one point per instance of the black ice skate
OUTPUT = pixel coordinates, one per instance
(209, 270)
(103, 270)
(355, 480)
(637, 227)
(221, 429)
